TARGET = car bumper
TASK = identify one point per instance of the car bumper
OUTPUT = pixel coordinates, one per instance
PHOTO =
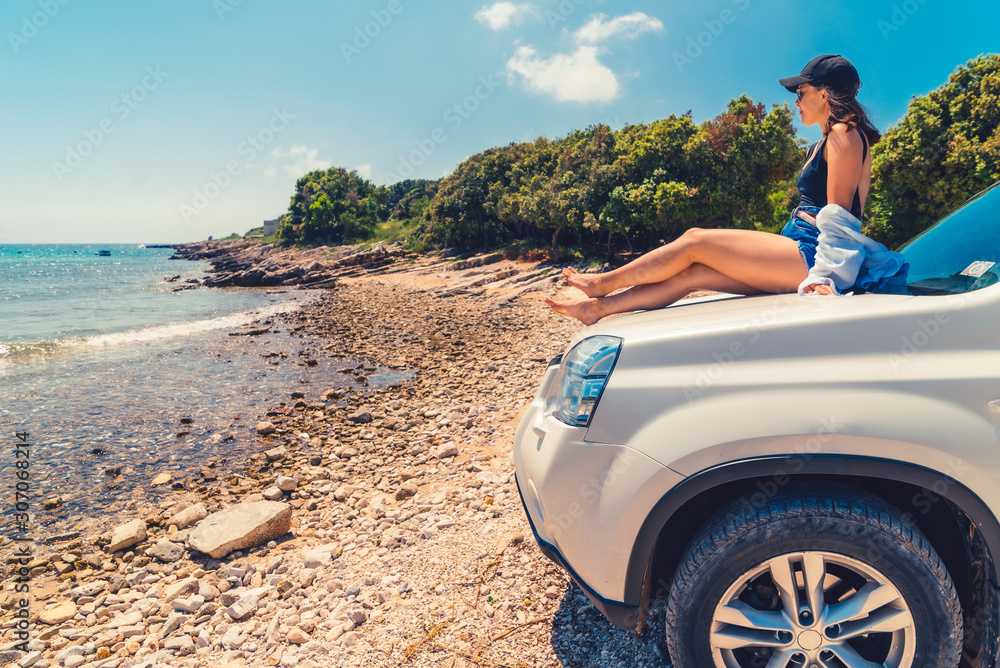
(586, 503)
(620, 614)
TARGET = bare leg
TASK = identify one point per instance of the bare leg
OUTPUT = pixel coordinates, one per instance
(655, 295)
(768, 262)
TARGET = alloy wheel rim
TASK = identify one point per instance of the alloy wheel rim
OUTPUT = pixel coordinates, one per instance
(812, 610)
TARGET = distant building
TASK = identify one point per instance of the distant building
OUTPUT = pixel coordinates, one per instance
(271, 227)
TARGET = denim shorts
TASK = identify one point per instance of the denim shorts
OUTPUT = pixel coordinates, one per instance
(804, 234)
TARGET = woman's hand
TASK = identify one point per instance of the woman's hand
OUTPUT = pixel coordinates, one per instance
(819, 289)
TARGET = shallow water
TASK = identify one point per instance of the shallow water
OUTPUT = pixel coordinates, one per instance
(102, 399)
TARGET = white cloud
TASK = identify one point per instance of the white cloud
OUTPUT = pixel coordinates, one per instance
(600, 29)
(576, 77)
(501, 15)
(296, 161)
(365, 171)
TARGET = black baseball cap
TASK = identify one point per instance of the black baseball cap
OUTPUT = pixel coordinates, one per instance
(834, 72)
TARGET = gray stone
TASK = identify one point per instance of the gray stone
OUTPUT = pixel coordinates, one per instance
(29, 659)
(74, 650)
(166, 551)
(265, 428)
(350, 639)
(363, 416)
(488, 478)
(405, 491)
(127, 535)
(318, 556)
(174, 622)
(241, 526)
(273, 493)
(275, 454)
(189, 516)
(233, 638)
(285, 483)
(181, 645)
(191, 604)
(244, 607)
(181, 588)
(89, 589)
(129, 619)
(446, 450)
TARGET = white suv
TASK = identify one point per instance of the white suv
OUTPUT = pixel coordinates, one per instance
(811, 481)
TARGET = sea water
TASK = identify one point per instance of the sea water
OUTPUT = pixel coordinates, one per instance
(116, 376)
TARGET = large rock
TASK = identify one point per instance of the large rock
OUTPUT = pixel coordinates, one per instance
(241, 526)
(57, 614)
(127, 535)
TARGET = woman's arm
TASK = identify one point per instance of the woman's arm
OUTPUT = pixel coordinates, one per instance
(843, 154)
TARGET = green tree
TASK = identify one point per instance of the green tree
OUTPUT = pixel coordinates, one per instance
(333, 206)
(944, 150)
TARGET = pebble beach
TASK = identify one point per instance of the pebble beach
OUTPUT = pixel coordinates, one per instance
(374, 522)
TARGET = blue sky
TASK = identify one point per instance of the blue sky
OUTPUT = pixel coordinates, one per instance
(170, 121)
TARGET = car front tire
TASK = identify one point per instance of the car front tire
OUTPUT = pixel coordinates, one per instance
(832, 578)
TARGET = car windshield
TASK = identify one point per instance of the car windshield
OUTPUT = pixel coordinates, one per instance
(961, 253)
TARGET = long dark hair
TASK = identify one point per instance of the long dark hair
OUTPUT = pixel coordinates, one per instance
(845, 108)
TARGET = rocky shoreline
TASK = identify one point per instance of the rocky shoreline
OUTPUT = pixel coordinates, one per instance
(377, 527)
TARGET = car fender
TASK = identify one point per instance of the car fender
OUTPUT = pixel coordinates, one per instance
(930, 432)
(774, 467)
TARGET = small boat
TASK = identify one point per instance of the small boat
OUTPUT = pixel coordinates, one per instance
(103, 253)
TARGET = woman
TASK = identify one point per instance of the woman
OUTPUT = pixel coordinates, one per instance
(837, 171)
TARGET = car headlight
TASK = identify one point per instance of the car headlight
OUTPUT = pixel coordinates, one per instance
(577, 387)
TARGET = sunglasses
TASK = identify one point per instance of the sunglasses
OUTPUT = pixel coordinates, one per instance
(800, 92)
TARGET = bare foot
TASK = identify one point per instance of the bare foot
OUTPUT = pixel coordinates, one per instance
(592, 285)
(588, 311)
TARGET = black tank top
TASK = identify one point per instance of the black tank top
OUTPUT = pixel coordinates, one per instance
(812, 179)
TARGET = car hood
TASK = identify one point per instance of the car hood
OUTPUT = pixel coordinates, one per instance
(726, 314)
